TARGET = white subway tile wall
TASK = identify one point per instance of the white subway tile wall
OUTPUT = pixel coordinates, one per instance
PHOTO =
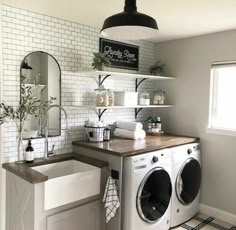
(72, 44)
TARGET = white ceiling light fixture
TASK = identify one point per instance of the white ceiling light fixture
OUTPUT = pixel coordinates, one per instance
(130, 24)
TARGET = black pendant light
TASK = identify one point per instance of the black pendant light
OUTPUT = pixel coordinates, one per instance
(130, 24)
(25, 65)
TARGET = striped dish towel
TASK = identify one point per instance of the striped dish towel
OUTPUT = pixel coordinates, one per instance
(111, 199)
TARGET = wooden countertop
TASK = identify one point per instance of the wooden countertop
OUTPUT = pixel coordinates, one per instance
(127, 147)
(25, 171)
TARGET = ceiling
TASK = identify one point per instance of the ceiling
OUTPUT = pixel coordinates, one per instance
(176, 18)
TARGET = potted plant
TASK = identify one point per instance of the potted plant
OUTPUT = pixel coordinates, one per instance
(28, 105)
(153, 125)
(100, 60)
(157, 69)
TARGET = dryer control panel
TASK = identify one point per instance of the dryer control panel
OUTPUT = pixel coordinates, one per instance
(180, 153)
(193, 148)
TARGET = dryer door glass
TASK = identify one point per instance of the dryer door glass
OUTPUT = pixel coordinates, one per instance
(154, 195)
(188, 181)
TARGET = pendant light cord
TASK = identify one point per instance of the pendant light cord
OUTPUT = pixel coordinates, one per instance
(130, 6)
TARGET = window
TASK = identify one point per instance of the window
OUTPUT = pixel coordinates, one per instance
(222, 111)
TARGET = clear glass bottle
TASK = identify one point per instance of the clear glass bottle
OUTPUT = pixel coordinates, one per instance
(159, 123)
(111, 97)
(163, 97)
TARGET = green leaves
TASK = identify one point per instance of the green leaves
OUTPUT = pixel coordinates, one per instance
(28, 105)
(151, 119)
(157, 69)
(100, 60)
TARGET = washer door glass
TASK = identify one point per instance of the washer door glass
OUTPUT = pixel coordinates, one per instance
(188, 181)
(154, 195)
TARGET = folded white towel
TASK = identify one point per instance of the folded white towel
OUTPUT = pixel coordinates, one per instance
(111, 199)
(133, 126)
(141, 134)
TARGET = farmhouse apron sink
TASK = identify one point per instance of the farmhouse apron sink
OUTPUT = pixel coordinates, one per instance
(69, 181)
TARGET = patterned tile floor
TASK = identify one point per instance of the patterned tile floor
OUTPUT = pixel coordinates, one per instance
(205, 222)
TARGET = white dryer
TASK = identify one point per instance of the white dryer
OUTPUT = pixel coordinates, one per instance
(147, 191)
(186, 161)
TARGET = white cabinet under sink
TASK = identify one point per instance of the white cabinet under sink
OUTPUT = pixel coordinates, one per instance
(86, 217)
(75, 199)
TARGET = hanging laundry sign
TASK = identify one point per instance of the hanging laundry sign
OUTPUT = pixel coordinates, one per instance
(121, 55)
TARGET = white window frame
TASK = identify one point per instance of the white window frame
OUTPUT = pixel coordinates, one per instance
(212, 103)
(2, 172)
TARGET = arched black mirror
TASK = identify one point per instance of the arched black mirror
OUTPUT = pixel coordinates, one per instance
(40, 75)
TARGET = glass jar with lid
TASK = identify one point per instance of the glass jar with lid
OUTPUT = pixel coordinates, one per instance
(144, 98)
(111, 97)
(101, 97)
(159, 98)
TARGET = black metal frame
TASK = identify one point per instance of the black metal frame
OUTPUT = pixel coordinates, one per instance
(60, 72)
(137, 112)
(100, 113)
(137, 83)
(101, 40)
(101, 80)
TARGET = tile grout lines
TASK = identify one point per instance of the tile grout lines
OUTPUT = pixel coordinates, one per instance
(199, 226)
(204, 222)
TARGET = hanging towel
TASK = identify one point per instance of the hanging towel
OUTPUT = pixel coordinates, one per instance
(111, 199)
(136, 135)
(133, 126)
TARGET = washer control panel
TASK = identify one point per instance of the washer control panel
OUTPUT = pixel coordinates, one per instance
(151, 159)
(155, 159)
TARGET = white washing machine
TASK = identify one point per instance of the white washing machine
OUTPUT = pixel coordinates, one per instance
(186, 161)
(147, 191)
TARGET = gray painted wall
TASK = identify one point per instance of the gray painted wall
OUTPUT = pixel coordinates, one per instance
(189, 60)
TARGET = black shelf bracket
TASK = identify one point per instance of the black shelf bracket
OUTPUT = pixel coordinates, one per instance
(100, 113)
(138, 82)
(101, 80)
(137, 112)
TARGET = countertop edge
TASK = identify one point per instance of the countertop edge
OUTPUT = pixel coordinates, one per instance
(85, 144)
(128, 154)
(26, 172)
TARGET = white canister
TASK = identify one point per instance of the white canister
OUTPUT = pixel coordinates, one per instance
(126, 98)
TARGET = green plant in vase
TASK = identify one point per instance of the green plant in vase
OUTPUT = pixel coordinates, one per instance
(157, 69)
(100, 60)
(28, 105)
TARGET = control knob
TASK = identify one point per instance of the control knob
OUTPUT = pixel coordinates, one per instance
(189, 151)
(155, 159)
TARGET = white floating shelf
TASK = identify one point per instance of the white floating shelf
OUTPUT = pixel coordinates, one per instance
(95, 73)
(122, 107)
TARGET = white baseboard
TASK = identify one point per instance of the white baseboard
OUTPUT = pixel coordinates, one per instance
(218, 214)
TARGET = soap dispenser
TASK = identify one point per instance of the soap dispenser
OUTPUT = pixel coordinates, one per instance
(29, 153)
